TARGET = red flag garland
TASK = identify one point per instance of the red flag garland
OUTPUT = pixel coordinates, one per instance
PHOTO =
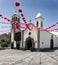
(22, 15)
(23, 18)
(17, 3)
(0, 15)
(24, 21)
(8, 19)
(29, 26)
(5, 18)
(20, 10)
(56, 22)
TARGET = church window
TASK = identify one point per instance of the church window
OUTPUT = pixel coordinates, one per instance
(41, 24)
(16, 19)
(29, 33)
(37, 24)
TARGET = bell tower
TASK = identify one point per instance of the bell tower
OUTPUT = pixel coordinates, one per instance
(15, 32)
(39, 20)
(39, 24)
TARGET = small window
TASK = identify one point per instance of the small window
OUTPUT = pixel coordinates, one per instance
(13, 18)
(29, 33)
(16, 19)
(41, 24)
(37, 24)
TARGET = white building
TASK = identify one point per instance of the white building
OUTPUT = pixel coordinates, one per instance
(34, 39)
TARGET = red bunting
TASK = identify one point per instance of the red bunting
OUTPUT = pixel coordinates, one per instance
(57, 23)
(53, 25)
(8, 19)
(17, 3)
(20, 10)
(22, 15)
(30, 25)
(12, 22)
(56, 29)
(24, 21)
(5, 18)
(0, 15)
(23, 18)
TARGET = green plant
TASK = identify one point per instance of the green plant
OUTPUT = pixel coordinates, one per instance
(2, 40)
(4, 44)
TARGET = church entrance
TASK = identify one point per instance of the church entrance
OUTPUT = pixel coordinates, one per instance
(29, 44)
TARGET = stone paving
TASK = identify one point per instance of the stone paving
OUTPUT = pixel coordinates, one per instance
(19, 57)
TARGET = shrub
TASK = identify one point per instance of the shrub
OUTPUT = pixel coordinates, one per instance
(2, 40)
(4, 44)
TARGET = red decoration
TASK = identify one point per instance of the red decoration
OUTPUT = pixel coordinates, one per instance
(17, 3)
(23, 18)
(53, 25)
(22, 15)
(24, 21)
(57, 23)
(56, 29)
(20, 10)
(12, 22)
(5, 18)
(0, 15)
(30, 25)
(8, 19)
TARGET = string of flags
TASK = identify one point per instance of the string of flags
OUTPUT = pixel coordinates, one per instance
(26, 25)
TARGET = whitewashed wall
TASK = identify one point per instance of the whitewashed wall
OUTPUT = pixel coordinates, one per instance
(56, 41)
(45, 38)
(33, 35)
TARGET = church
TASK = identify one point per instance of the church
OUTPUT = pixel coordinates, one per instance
(32, 40)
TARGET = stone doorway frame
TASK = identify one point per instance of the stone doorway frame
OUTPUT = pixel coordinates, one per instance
(33, 44)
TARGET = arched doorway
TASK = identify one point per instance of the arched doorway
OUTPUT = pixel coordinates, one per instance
(29, 43)
(51, 42)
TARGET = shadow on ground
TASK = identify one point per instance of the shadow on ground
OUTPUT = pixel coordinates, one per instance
(48, 50)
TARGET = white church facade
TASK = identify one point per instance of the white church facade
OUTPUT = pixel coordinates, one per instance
(32, 40)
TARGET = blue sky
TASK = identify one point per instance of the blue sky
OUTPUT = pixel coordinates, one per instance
(48, 9)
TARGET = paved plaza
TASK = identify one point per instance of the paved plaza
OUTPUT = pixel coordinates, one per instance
(19, 57)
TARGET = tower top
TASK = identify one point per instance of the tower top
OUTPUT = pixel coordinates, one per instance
(39, 20)
(38, 15)
(15, 15)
